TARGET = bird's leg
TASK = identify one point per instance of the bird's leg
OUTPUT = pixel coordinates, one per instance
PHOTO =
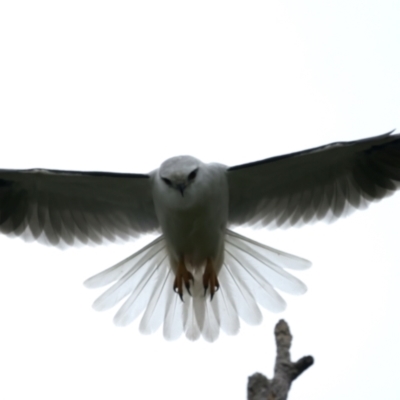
(210, 279)
(182, 277)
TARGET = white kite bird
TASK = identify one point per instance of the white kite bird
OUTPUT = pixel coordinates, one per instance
(198, 276)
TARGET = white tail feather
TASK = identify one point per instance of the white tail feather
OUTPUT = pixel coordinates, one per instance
(271, 255)
(173, 323)
(131, 263)
(154, 315)
(250, 273)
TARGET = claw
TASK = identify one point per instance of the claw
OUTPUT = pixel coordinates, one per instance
(179, 292)
(187, 286)
(183, 277)
(210, 280)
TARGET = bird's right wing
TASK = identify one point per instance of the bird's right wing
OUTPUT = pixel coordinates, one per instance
(60, 207)
(315, 184)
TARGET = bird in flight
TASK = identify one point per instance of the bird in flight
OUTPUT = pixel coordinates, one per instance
(198, 276)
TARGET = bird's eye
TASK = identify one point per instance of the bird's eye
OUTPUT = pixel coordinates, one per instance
(192, 175)
(167, 181)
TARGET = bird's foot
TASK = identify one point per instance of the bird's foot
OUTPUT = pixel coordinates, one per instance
(210, 280)
(182, 278)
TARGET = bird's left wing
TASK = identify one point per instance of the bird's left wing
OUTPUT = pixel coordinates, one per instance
(60, 207)
(321, 183)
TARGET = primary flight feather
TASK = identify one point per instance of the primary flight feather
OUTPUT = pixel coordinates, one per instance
(199, 276)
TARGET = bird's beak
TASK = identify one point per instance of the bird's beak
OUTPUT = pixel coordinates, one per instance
(181, 187)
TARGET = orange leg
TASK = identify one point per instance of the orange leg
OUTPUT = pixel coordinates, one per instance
(210, 279)
(182, 277)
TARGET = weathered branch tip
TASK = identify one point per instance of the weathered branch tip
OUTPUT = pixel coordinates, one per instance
(259, 387)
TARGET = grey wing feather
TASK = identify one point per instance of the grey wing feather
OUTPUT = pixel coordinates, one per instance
(320, 183)
(70, 207)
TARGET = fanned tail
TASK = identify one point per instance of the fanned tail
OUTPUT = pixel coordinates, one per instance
(252, 272)
(248, 277)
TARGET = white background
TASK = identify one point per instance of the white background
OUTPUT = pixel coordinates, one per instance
(123, 85)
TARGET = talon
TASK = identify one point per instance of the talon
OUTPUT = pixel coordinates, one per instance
(183, 277)
(178, 291)
(187, 286)
(212, 292)
(210, 279)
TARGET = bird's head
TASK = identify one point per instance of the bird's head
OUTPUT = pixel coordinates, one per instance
(179, 172)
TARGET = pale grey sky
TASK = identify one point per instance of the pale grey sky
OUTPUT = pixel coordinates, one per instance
(123, 85)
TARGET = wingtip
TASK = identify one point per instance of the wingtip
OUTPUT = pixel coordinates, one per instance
(388, 133)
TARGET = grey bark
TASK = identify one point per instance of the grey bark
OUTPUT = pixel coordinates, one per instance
(259, 387)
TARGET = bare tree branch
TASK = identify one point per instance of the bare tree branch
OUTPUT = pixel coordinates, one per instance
(259, 387)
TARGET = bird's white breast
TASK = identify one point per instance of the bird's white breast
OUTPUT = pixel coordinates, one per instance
(194, 224)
